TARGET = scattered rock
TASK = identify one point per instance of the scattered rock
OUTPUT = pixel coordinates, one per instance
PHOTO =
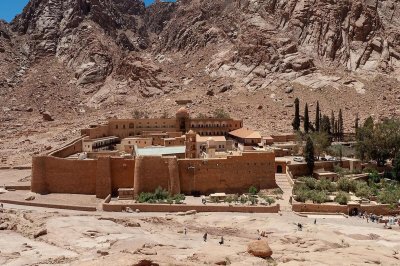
(226, 88)
(30, 197)
(191, 212)
(137, 211)
(289, 90)
(210, 93)
(180, 214)
(4, 226)
(29, 109)
(259, 248)
(47, 116)
(260, 107)
(40, 233)
(102, 253)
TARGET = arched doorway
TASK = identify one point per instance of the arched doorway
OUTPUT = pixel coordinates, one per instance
(279, 169)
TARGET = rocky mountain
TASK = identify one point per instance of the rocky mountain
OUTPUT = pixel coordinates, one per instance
(86, 59)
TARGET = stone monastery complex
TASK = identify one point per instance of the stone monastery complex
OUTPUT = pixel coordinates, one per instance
(193, 156)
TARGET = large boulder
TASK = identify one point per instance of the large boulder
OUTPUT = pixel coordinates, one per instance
(259, 248)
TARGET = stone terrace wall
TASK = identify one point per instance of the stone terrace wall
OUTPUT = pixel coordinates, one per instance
(69, 149)
(381, 209)
(302, 170)
(184, 208)
(232, 175)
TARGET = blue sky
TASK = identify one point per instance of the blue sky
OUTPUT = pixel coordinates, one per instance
(10, 8)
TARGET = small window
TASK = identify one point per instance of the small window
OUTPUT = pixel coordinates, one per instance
(116, 126)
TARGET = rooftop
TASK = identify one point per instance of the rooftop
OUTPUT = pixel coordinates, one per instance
(245, 133)
(153, 151)
(205, 138)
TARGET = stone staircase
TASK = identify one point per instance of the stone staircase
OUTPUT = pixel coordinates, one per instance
(283, 182)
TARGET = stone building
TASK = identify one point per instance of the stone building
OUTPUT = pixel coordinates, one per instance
(152, 153)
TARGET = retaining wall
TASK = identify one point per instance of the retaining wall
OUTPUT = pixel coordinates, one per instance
(381, 209)
(184, 208)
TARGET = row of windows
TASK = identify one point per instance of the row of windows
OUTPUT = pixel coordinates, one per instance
(148, 126)
(212, 125)
(213, 133)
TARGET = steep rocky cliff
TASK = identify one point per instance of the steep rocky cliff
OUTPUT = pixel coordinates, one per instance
(76, 56)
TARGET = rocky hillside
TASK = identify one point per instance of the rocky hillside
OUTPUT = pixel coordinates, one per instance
(85, 60)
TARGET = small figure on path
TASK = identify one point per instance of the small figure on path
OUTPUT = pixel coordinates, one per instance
(222, 241)
(315, 221)
(205, 237)
(185, 230)
(1, 205)
(299, 226)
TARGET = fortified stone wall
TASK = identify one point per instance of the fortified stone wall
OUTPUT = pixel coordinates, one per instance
(105, 175)
(232, 175)
(151, 172)
(122, 173)
(57, 175)
(69, 149)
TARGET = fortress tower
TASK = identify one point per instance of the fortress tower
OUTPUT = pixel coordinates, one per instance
(182, 120)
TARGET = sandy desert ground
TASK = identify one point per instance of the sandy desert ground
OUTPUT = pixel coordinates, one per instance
(98, 238)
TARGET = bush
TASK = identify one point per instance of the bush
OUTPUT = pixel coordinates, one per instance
(253, 200)
(318, 196)
(390, 194)
(346, 185)
(326, 185)
(269, 200)
(253, 190)
(310, 182)
(302, 192)
(374, 176)
(179, 198)
(243, 199)
(342, 198)
(161, 194)
(363, 190)
(229, 199)
(145, 197)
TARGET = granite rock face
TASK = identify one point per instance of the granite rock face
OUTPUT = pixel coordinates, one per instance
(99, 52)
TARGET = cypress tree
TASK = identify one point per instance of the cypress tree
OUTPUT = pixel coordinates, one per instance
(309, 155)
(296, 120)
(396, 166)
(306, 119)
(333, 122)
(325, 125)
(317, 118)
(356, 123)
(340, 125)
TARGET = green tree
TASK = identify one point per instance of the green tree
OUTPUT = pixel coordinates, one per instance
(325, 125)
(321, 142)
(333, 129)
(356, 123)
(309, 154)
(396, 166)
(253, 190)
(379, 142)
(221, 113)
(342, 198)
(340, 126)
(317, 118)
(306, 119)
(296, 120)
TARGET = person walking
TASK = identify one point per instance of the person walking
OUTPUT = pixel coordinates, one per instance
(205, 237)
(185, 231)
